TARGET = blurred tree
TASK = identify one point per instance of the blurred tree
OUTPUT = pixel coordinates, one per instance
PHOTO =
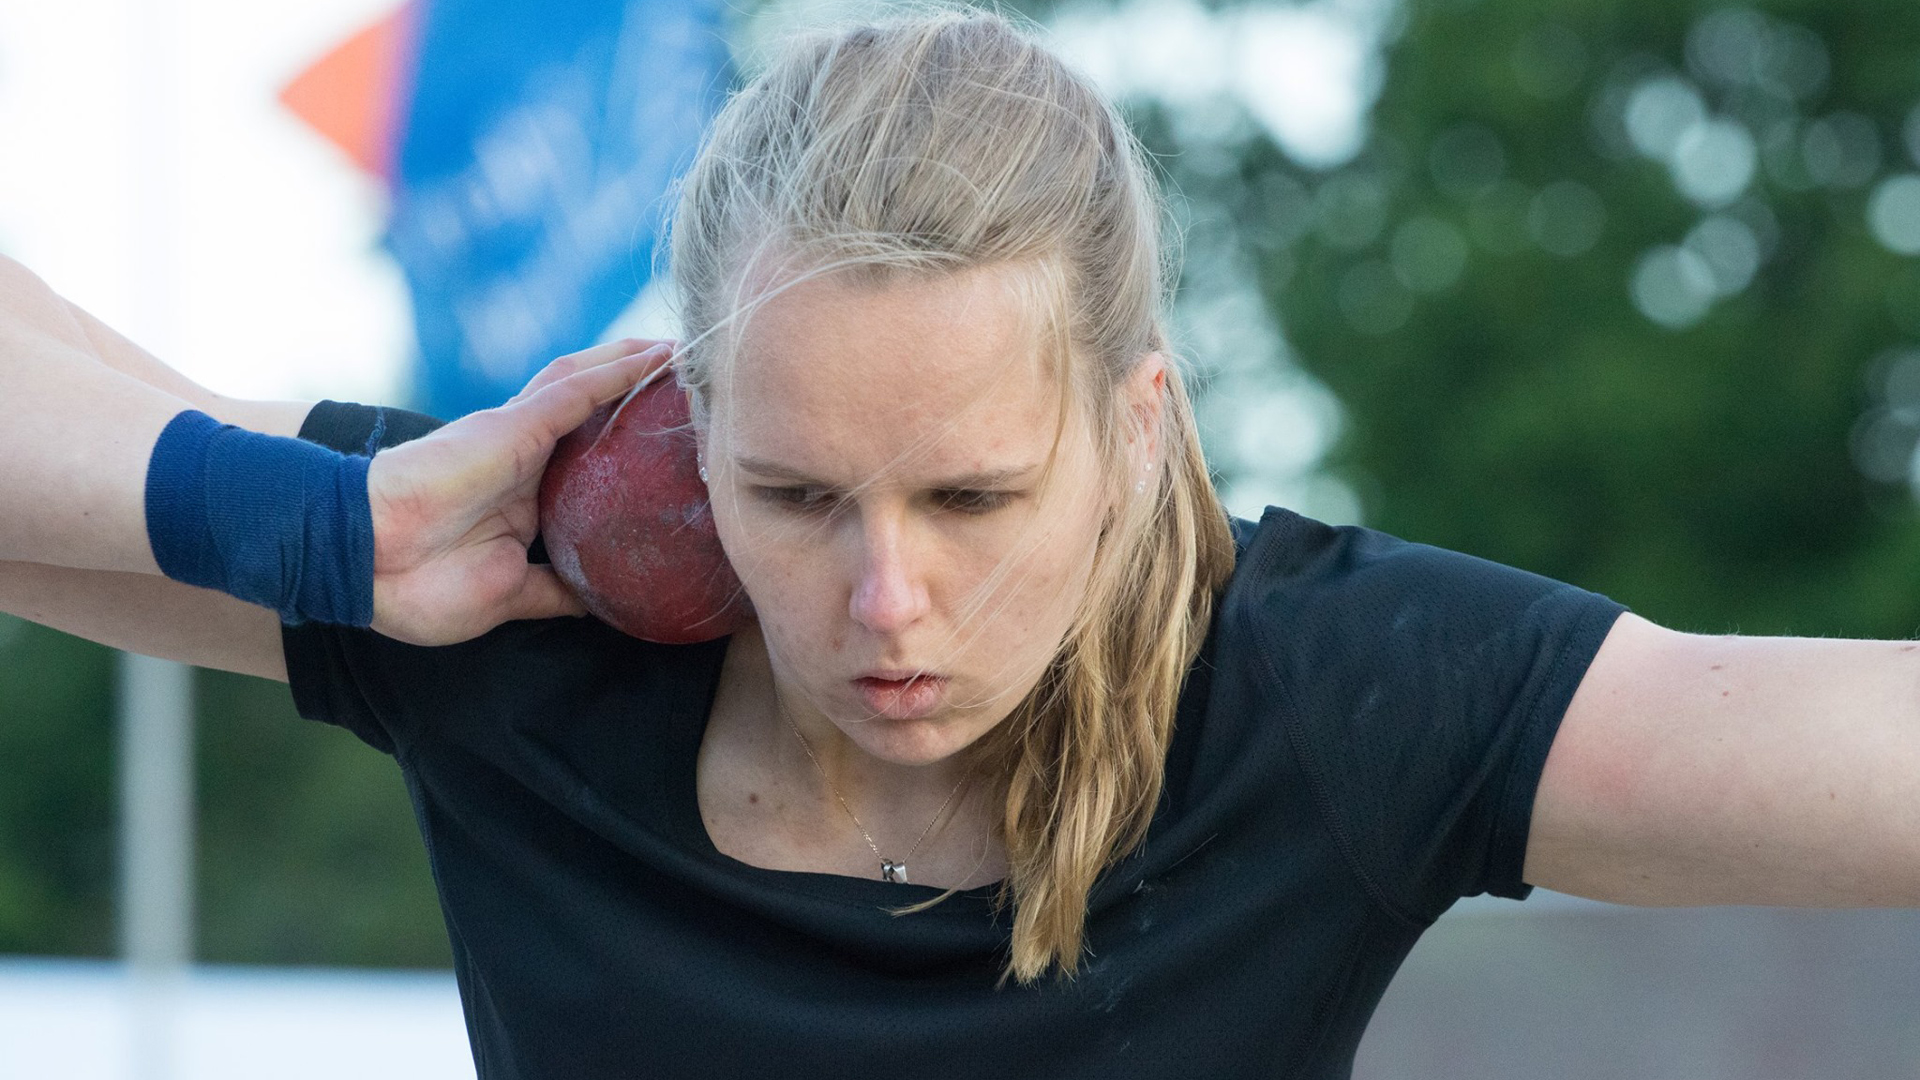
(56, 793)
(307, 851)
(1612, 294)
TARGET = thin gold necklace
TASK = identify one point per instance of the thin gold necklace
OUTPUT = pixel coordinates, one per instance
(890, 870)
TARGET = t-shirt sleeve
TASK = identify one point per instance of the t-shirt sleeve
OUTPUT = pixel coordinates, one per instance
(327, 682)
(1421, 690)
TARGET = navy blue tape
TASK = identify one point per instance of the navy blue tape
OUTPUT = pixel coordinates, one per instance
(277, 522)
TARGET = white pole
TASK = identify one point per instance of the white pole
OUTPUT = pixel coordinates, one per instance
(156, 854)
(156, 696)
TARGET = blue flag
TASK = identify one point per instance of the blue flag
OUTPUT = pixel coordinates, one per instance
(540, 143)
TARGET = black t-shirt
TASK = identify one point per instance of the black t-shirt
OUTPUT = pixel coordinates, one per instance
(1357, 746)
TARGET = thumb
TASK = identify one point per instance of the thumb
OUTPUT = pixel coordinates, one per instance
(543, 595)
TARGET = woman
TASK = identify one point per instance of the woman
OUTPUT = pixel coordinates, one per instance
(1033, 763)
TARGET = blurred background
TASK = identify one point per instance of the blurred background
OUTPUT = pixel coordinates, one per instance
(1624, 292)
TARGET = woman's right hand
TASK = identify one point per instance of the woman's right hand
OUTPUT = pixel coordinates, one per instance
(454, 512)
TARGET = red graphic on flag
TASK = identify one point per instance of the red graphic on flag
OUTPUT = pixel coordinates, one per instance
(354, 95)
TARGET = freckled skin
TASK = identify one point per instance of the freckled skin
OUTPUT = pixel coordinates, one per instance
(872, 399)
(881, 394)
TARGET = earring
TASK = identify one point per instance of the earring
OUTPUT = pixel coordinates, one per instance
(703, 474)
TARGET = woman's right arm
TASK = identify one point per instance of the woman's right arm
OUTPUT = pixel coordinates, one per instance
(76, 438)
(453, 513)
(112, 349)
(147, 614)
(54, 351)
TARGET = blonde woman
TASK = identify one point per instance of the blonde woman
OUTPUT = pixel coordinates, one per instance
(1034, 762)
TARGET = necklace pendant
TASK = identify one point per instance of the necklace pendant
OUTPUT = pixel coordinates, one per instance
(895, 872)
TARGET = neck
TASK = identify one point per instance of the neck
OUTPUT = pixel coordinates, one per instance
(807, 747)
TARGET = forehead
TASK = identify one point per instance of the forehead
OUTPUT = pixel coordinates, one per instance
(847, 379)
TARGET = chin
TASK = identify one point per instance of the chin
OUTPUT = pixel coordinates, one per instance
(909, 742)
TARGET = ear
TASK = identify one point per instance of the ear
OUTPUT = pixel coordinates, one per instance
(1145, 394)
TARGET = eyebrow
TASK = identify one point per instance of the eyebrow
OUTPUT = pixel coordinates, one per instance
(989, 478)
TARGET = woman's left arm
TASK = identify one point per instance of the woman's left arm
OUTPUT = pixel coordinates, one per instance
(1735, 770)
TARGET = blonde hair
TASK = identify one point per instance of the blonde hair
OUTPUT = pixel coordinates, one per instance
(944, 141)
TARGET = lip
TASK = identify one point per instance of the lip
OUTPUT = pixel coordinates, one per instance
(896, 674)
(901, 695)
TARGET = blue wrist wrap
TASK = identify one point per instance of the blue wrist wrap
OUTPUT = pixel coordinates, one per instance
(273, 521)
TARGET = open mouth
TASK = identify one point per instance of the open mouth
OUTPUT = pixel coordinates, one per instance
(906, 698)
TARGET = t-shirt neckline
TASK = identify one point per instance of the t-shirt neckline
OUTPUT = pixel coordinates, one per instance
(685, 798)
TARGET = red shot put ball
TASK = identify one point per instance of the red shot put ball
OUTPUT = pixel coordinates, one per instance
(627, 524)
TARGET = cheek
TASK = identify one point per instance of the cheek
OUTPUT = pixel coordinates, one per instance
(1033, 595)
(762, 563)
(790, 577)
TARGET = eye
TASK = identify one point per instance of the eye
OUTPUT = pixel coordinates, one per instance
(805, 500)
(972, 502)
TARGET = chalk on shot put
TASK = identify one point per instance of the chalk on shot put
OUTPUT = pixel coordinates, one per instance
(627, 523)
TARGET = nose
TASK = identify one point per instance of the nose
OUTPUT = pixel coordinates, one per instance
(889, 595)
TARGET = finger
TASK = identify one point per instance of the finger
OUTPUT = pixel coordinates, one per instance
(559, 407)
(544, 596)
(646, 380)
(573, 362)
(585, 359)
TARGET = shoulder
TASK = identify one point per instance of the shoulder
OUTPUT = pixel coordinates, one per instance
(1318, 591)
(1285, 556)
(558, 682)
(1416, 690)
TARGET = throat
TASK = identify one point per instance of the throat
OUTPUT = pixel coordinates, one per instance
(776, 796)
(804, 833)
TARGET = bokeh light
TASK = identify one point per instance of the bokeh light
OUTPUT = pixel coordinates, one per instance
(1841, 150)
(1893, 213)
(1429, 254)
(1729, 250)
(1567, 218)
(1674, 286)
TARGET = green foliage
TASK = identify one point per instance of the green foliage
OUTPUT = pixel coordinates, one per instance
(307, 850)
(1528, 410)
(56, 793)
